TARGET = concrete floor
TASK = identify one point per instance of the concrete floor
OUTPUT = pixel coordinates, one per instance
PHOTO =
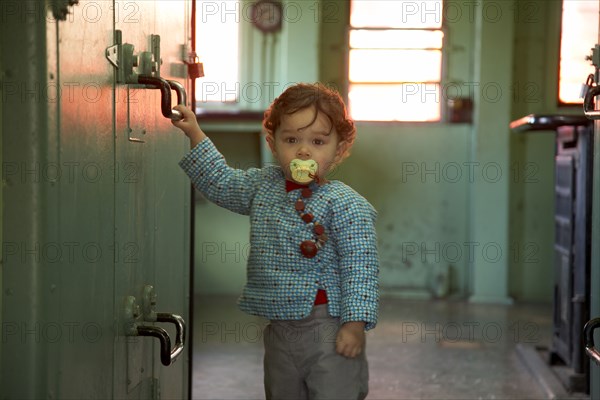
(419, 350)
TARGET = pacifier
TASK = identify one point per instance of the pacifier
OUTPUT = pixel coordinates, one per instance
(303, 171)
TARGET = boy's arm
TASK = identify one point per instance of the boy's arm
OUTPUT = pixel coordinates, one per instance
(206, 167)
(189, 126)
(355, 238)
(356, 242)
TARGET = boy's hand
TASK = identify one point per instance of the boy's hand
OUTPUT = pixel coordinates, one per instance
(350, 340)
(189, 125)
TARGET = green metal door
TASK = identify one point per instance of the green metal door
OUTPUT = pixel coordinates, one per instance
(595, 258)
(151, 203)
(90, 218)
(595, 262)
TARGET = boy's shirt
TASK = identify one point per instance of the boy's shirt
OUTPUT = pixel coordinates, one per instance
(281, 282)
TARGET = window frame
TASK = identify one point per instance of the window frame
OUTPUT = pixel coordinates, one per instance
(560, 103)
(443, 67)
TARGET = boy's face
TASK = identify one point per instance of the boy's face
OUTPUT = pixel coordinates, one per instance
(296, 139)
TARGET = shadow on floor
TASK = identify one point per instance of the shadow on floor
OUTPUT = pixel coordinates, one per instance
(419, 350)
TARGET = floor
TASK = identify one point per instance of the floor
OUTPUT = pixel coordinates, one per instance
(419, 350)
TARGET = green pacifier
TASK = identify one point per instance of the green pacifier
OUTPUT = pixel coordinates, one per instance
(303, 171)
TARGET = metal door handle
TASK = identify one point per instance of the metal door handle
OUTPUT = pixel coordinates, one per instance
(134, 315)
(180, 90)
(179, 332)
(162, 336)
(167, 355)
(165, 95)
(588, 332)
(588, 103)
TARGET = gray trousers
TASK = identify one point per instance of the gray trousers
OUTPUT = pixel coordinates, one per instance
(301, 362)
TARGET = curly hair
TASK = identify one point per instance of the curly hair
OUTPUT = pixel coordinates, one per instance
(324, 99)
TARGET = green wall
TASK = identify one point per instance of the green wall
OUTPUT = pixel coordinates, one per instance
(222, 245)
(434, 220)
(1, 190)
(415, 177)
(535, 72)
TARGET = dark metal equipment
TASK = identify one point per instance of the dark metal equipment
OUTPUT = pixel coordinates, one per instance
(572, 191)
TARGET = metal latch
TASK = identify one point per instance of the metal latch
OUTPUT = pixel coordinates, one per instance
(143, 70)
(135, 315)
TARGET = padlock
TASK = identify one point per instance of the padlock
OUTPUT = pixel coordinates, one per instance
(195, 67)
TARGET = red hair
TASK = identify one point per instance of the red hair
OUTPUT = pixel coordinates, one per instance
(324, 99)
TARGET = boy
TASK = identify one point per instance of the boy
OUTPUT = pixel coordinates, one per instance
(313, 263)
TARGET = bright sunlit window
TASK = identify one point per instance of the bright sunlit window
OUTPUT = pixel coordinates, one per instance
(579, 34)
(217, 45)
(395, 60)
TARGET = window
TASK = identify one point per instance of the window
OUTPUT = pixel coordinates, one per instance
(578, 35)
(395, 60)
(217, 28)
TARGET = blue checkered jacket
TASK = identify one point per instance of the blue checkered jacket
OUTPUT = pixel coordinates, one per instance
(281, 282)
